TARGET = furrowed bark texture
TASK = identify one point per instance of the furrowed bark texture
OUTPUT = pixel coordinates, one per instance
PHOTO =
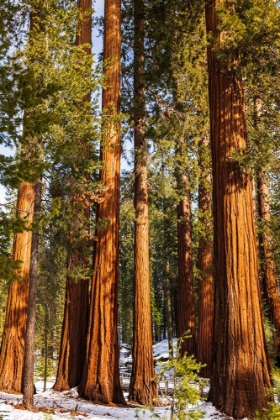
(28, 370)
(14, 335)
(101, 382)
(186, 309)
(142, 388)
(205, 262)
(240, 375)
(74, 329)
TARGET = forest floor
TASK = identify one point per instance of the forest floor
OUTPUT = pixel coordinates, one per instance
(67, 405)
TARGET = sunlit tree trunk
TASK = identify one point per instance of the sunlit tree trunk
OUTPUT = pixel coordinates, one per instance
(74, 329)
(142, 388)
(28, 369)
(14, 335)
(205, 261)
(240, 374)
(101, 381)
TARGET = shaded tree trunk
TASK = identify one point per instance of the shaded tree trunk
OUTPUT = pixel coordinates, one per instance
(74, 329)
(186, 306)
(205, 262)
(14, 334)
(28, 370)
(269, 274)
(142, 388)
(101, 381)
(168, 308)
(240, 374)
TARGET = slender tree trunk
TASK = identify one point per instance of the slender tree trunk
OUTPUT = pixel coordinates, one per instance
(101, 381)
(28, 370)
(186, 306)
(269, 272)
(46, 347)
(241, 372)
(168, 308)
(13, 340)
(205, 262)
(74, 329)
(142, 388)
(269, 275)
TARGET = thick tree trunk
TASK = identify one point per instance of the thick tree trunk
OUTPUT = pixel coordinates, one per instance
(28, 370)
(205, 261)
(101, 381)
(186, 306)
(240, 375)
(142, 388)
(74, 329)
(13, 340)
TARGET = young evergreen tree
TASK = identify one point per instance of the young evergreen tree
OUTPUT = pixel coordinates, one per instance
(101, 381)
(240, 372)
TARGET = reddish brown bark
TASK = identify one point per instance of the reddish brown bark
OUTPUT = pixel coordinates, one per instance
(186, 306)
(142, 388)
(28, 369)
(205, 261)
(240, 375)
(74, 329)
(13, 340)
(101, 382)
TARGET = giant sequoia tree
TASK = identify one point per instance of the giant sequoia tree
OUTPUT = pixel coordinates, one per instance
(240, 375)
(142, 388)
(101, 382)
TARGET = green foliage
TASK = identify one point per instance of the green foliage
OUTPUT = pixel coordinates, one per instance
(184, 371)
(249, 27)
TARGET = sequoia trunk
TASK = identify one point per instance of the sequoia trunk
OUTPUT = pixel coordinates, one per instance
(74, 329)
(28, 370)
(101, 381)
(142, 388)
(186, 309)
(205, 261)
(14, 334)
(240, 375)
